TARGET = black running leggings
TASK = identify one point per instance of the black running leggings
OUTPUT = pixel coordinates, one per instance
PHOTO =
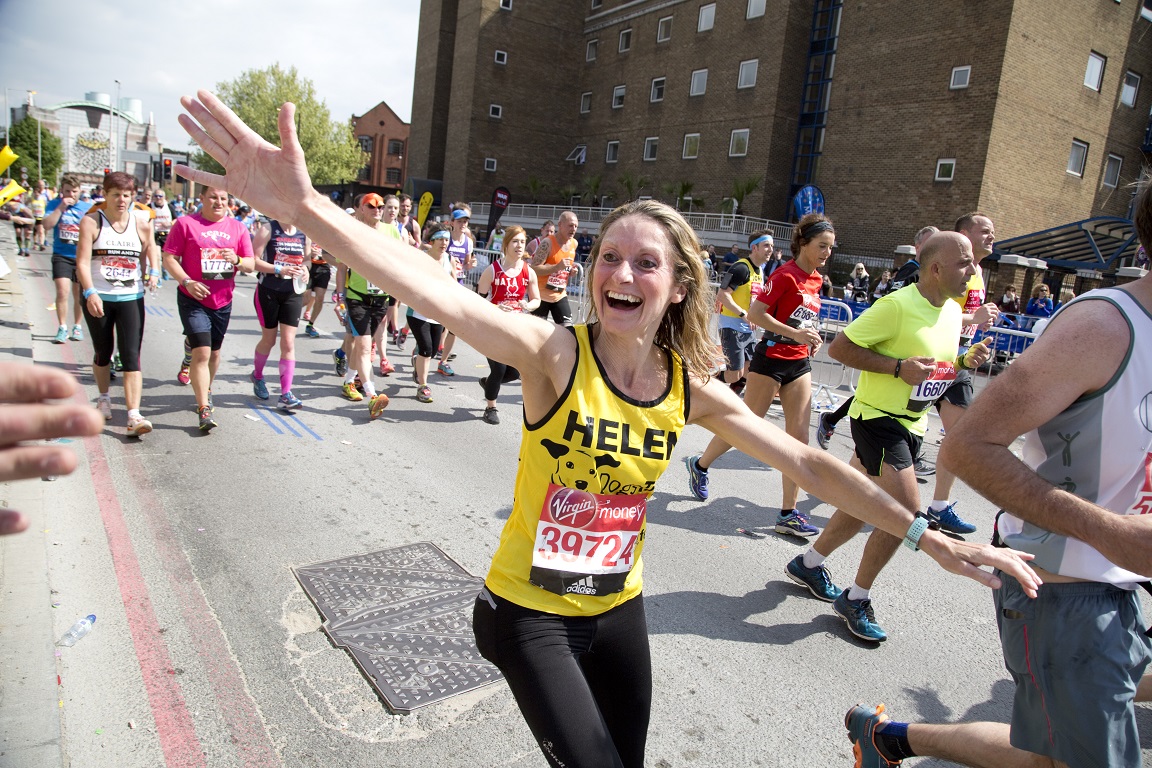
(427, 335)
(499, 374)
(583, 683)
(122, 327)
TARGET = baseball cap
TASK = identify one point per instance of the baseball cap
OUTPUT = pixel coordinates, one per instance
(372, 199)
(460, 213)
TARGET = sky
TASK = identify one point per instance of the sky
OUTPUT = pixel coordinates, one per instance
(356, 53)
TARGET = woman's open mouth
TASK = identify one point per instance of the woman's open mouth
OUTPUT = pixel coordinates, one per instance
(623, 301)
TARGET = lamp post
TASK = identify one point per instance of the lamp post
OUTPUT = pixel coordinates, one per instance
(115, 109)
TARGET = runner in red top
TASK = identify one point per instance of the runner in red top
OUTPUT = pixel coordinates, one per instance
(789, 312)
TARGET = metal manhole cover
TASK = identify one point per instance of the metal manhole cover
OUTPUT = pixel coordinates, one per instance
(405, 615)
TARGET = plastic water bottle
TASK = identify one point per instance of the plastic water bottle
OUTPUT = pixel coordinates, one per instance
(79, 629)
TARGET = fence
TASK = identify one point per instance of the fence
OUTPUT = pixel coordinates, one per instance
(828, 375)
(576, 294)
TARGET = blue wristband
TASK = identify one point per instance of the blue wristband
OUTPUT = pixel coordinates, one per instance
(88, 292)
(915, 531)
(154, 273)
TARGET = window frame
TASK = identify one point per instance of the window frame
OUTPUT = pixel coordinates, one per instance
(950, 162)
(619, 91)
(654, 143)
(732, 140)
(367, 143)
(761, 4)
(390, 172)
(967, 70)
(500, 57)
(663, 86)
(489, 165)
(692, 82)
(591, 49)
(1124, 87)
(1146, 11)
(1119, 167)
(710, 8)
(596, 4)
(625, 41)
(505, 5)
(1083, 159)
(397, 144)
(612, 152)
(495, 112)
(684, 147)
(740, 74)
(585, 102)
(660, 28)
(1095, 56)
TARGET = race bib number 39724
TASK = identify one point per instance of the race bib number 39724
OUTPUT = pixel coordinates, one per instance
(586, 542)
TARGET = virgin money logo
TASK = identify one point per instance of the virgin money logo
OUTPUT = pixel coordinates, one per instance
(573, 508)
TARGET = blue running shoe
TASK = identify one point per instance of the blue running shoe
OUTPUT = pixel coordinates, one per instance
(289, 401)
(950, 521)
(795, 524)
(311, 332)
(862, 723)
(61, 335)
(818, 580)
(259, 388)
(341, 361)
(859, 617)
(824, 430)
(697, 478)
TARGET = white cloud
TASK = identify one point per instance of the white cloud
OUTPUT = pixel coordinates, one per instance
(355, 52)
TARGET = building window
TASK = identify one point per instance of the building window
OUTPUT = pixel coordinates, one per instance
(1146, 10)
(395, 147)
(501, 57)
(755, 9)
(391, 175)
(946, 169)
(738, 143)
(586, 102)
(1112, 171)
(489, 165)
(651, 145)
(960, 78)
(1130, 89)
(612, 153)
(1077, 157)
(664, 29)
(590, 50)
(495, 111)
(1094, 74)
(365, 143)
(699, 83)
(707, 17)
(596, 4)
(578, 154)
(691, 146)
(748, 70)
(657, 89)
(618, 97)
(505, 5)
(625, 40)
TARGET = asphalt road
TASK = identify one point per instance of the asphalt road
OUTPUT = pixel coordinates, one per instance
(207, 653)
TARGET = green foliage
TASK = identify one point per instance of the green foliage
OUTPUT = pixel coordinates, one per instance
(591, 189)
(567, 192)
(741, 188)
(23, 142)
(678, 190)
(333, 153)
(632, 184)
(535, 188)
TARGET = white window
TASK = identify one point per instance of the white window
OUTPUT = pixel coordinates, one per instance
(945, 169)
(755, 9)
(1130, 89)
(1146, 10)
(1112, 171)
(960, 78)
(625, 40)
(618, 97)
(691, 146)
(664, 29)
(578, 154)
(1077, 157)
(657, 89)
(590, 50)
(586, 102)
(612, 153)
(738, 143)
(596, 4)
(495, 111)
(748, 71)
(707, 17)
(651, 145)
(699, 83)
(501, 57)
(489, 165)
(1094, 74)
(505, 5)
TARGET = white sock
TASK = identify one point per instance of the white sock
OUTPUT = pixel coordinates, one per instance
(350, 376)
(938, 505)
(856, 593)
(813, 559)
(134, 414)
(369, 388)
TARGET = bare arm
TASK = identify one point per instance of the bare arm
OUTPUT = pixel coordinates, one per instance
(913, 370)
(150, 257)
(52, 219)
(89, 229)
(728, 302)
(484, 284)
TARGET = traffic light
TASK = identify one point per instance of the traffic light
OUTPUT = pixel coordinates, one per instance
(167, 169)
(156, 171)
(107, 171)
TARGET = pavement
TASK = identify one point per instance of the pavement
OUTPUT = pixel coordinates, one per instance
(206, 652)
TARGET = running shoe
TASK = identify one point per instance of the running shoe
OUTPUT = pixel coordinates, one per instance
(341, 361)
(185, 375)
(950, 521)
(77, 333)
(359, 385)
(311, 332)
(207, 423)
(445, 370)
(395, 338)
(104, 405)
(351, 393)
(824, 430)
(483, 382)
(491, 416)
(795, 524)
(386, 367)
(138, 425)
(377, 405)
(259, 388)
(863, 723)
(289, 401)
(818, 580)
(424, 395)
(117, 366)
(403, 336)
(923, 468)
(61, 335)
(697, 478)
(859, 617)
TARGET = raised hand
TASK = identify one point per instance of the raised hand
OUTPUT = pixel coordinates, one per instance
(271, 179)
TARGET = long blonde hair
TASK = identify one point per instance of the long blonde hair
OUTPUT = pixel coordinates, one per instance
(684, 328)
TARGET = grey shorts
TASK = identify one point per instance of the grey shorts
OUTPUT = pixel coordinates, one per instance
(738, 347)
(1076, 654)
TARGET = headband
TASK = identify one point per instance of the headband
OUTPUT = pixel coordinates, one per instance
(811, 230)
(440, 234)
(761, 239)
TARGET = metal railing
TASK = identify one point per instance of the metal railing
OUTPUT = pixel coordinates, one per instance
(829, 375)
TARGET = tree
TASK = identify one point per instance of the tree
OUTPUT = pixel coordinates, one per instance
(534, 187)
(591, 189)
(632, 184)
(334, 155)
(678, 190)
(567, 192)
(741, 188)
(23, 142)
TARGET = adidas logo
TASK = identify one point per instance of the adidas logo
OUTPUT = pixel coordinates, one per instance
(582, 587)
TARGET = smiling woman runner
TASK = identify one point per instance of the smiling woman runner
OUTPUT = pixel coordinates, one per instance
(562, 614)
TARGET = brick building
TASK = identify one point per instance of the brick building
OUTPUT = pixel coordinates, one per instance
(384, 136)
(903, 113)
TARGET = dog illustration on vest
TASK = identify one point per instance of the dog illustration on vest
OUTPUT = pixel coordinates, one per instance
(576, 468)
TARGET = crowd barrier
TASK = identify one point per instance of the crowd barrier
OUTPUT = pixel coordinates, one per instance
(828, 375)
(576, 294)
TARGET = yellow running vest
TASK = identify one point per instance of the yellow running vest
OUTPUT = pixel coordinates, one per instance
(573, 542)
(742, 294)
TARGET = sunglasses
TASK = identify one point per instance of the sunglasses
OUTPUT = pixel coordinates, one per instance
(375, 207)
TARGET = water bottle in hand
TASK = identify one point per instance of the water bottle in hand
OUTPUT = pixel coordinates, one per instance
(79, 629)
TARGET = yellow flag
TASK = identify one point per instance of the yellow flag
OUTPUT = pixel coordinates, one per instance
(423, 207)
(11, 191)
(7, 157)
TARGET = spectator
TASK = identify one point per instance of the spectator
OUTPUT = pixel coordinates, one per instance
(583, 246)
(1010, 301)
(1066, 295)
(730, 258)
(826, 289)
(774, 263)
(1040, 305)
(882, 284)
(1142, 258)
(857, 287)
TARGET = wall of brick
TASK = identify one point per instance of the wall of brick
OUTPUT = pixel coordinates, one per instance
(383, 126)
